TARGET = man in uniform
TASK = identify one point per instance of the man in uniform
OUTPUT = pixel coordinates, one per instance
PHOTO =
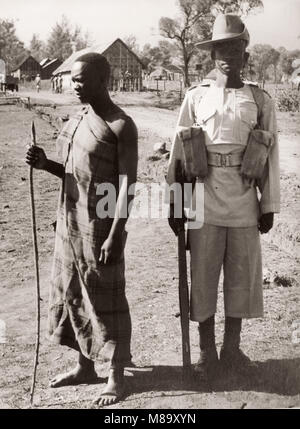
(229, 111)
(88, 309)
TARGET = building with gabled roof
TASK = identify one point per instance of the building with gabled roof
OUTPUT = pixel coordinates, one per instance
(49, 66)
(27, 69)
(126, 66)
(168, 72)
(44, 61)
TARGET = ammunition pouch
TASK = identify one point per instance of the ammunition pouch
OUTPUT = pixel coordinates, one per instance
(256, 153)
(195, 152)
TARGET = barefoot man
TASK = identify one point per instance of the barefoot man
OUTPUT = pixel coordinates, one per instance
(88, 309)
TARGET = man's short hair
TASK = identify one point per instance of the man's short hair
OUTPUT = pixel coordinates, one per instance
(98, 62)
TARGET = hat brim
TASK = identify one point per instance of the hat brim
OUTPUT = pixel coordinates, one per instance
(208, 44)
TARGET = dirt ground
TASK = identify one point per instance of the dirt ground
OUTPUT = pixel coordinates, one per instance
(152, 282)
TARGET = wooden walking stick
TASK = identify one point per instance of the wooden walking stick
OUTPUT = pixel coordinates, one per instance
(36, 262)
(183, 285)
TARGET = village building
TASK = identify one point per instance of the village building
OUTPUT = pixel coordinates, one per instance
(48, 66)
(45, 61)
(27, 69)
(126, 67)
(169, 72)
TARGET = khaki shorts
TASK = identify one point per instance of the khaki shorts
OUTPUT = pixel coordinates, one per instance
(238, 250)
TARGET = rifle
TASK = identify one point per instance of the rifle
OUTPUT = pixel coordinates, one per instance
(183, 283)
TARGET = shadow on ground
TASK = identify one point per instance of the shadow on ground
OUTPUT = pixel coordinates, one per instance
(281, 377)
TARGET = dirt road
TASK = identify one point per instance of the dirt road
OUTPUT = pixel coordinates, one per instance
(152, 278)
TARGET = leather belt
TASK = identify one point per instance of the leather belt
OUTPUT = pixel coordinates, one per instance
(225, 160)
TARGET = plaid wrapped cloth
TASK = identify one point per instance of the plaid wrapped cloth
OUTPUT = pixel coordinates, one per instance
(88, 309)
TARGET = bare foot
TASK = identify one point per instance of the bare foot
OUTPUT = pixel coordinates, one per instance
(113, 391)
(78, 375)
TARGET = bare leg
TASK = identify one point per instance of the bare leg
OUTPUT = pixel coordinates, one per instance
(115, 388)
(82, 373)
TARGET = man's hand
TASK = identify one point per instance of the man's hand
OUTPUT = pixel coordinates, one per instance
(266, 222)
(36, 157)
(176, 224)
(111, 250)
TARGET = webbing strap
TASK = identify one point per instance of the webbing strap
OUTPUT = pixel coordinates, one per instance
(258, 96)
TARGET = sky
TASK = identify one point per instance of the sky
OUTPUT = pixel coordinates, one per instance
(105, 20)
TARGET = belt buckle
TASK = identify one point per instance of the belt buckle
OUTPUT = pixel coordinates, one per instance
(223, 160)
(226, 160)
(218, 159)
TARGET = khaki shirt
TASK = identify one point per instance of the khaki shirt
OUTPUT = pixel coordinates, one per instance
(227, 116)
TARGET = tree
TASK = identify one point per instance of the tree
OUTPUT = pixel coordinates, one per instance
(286, 60)
(181, 30)
(12, 50)
(64, 39)
(37, 48)
(263, 56)
(80, 40)
(160, 55)
(132, 44)
(274, 56)
(203, 62)
(240, 7)
(195, 22)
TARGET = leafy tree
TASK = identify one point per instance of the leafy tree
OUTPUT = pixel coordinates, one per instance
(286, 60)
(203, 62)
(80, 40)
(132, 44)
(37, 48)
(160, 55)
(274, 59)
(63, 39)
(194, 24)
(181, 30)
(145, 54)
(263, 56)
(12, 50)
(240, 7)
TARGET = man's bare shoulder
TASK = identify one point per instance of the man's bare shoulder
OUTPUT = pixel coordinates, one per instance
(122, 125)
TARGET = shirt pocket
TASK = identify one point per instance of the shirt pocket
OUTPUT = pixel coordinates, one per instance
(247, 120)
(206, 118)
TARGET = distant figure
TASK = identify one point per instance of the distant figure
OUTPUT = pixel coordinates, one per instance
(55, 84)
(127, 80)
(38, 82)
(60, 83)
(52, 80)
